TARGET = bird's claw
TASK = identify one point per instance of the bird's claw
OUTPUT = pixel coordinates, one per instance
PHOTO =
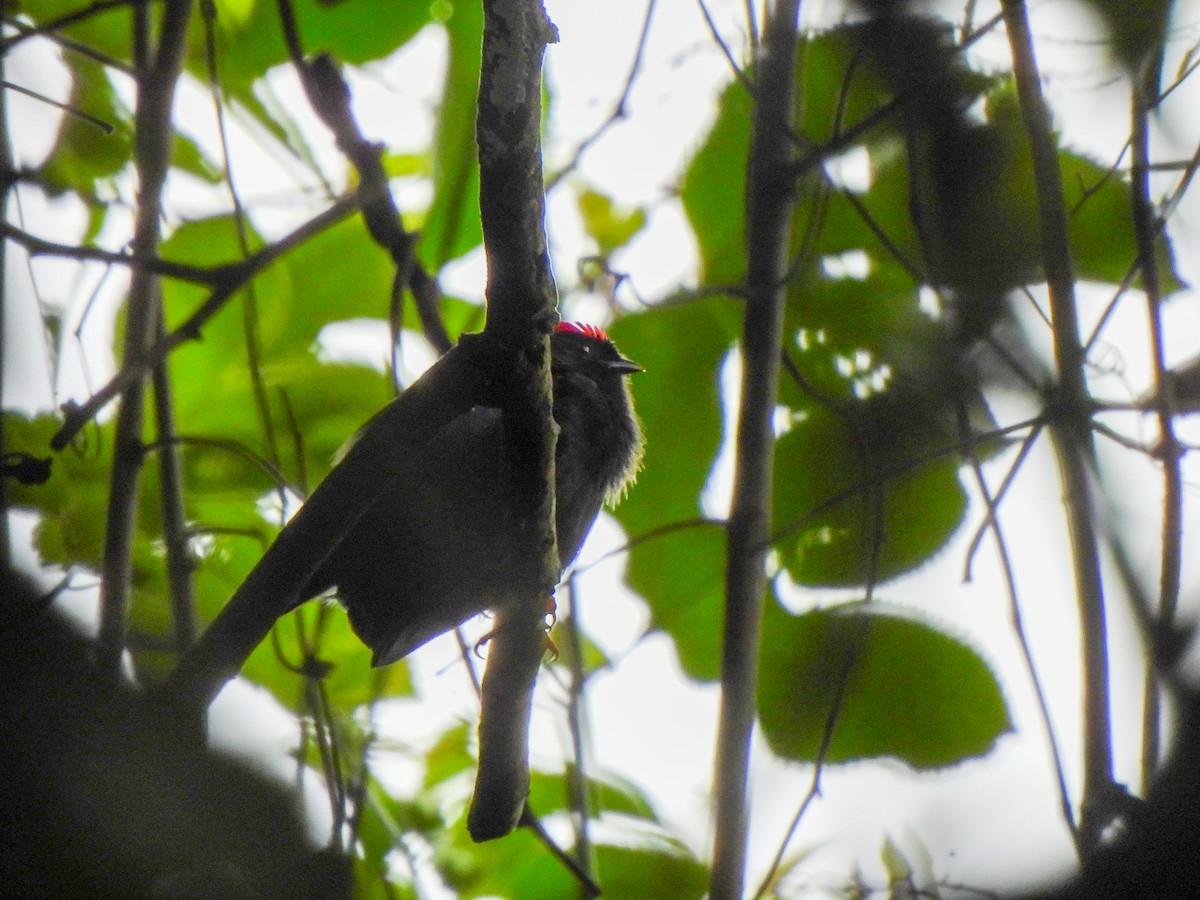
(551, 620)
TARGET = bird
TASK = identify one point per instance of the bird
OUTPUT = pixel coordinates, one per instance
(431, 551)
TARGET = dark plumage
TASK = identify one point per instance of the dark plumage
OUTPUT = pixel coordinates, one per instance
(431, 552)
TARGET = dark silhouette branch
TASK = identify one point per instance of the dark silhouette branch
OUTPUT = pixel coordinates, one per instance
(329, 96)
(521, 310)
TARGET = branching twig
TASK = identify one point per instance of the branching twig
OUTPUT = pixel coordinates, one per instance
(153, 138)
(330, 98)
(1070, 426)
(229, 279)
(619, 110)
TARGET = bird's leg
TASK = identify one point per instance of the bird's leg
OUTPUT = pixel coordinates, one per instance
(551, 620)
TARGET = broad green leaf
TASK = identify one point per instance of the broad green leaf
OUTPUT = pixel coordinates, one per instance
(188, 157)
(550, 792)
(350, 682)
(250, 40)
(679, 571)
(713, 191)
(648, 863)
(452, 227)
(1103, 241)
(343, 275)
(450, 756)
(608, 225)
(905, 689)
(73, 501)
(634, 873)
(83, 153)
(864, 499)
(107, 33)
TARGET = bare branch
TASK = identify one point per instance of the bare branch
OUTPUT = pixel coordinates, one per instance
(768, 215)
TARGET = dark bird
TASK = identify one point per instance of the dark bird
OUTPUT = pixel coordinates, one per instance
(432, 550)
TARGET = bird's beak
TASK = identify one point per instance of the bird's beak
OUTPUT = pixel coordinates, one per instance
(624, 366)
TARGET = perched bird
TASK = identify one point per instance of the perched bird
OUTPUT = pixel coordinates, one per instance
(432, 551)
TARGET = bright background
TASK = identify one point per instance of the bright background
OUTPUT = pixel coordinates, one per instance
(989, 823)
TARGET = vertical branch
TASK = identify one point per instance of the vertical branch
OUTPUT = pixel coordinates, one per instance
(769, 205)
(1169, 450)
(1071, 428)
(153, 136)
(174, 515)
(577, 783)
(521, 306)
(6, 183)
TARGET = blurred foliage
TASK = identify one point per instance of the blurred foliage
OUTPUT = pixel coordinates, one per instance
(877, 401)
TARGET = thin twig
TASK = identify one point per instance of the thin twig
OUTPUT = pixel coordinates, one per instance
(619, 110)
(1169, 450)
(106, 127)
(250, 299)
(236, 276)
(153, 265)
(175, 531)
(72, 18)
(577, 780)
(992, 523)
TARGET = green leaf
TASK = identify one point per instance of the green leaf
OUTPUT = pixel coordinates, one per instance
(649, 863)
(107, 33)
(452, 227)
(679, 571)
(83, 154)
(250, 40)
(450, 756)
(1136, 28)
(188, 157)
(550, 792)
(906, 689)
(713, 191)
(639, 872)
(863, 500)
(1103, 240)
(73, 501)
(606, 224)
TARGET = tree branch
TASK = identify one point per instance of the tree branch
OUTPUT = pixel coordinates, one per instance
(768, 217)
(1169, 450)
(227, 280)
(329, 96)
(521, 307)
(153, 139)
(1070, 429)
